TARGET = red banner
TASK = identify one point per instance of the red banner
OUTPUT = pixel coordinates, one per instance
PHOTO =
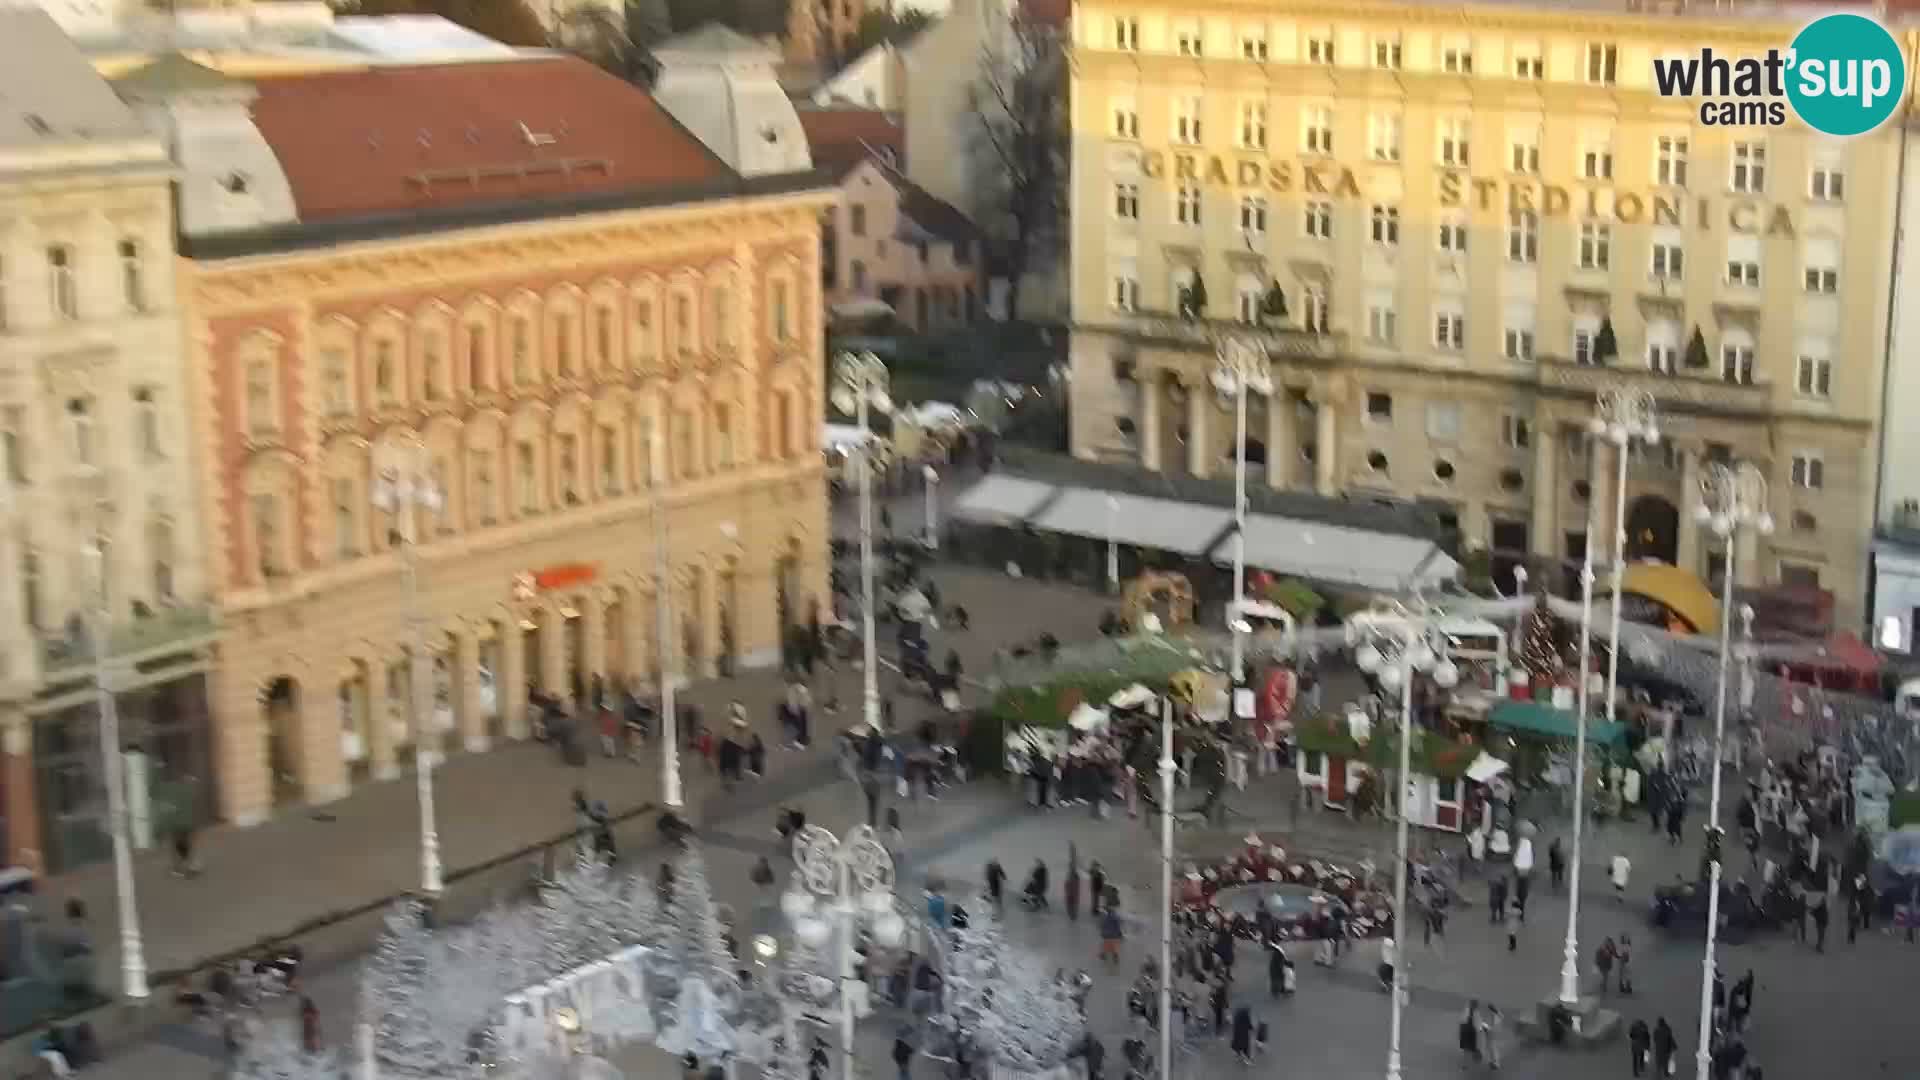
(565, 576)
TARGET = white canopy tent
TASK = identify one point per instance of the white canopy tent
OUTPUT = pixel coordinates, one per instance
(1161, 524)
(997, 499)
(1338, 555)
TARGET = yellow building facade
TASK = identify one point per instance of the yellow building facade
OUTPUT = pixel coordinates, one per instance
(1463, 207)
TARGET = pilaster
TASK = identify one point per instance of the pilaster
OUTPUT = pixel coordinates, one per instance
(1687, 549)
(464, 677)
(240, 748)
(1281, 444)
(593, 638)
(510, 684)
(1199, 439)
(1326, 448)
(322, 763)
(1150, 393)
(1546, 493)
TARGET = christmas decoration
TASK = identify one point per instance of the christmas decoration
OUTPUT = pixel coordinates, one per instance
(1539, 653)
(696, 940)
(1370, 911)
(590, 913)
(1023, 1019)
(275, 1052)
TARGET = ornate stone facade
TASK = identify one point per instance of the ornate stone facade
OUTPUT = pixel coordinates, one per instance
(569, 378)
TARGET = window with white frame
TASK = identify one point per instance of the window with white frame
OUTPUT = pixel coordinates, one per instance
(1383, 136)
(1187, 38)
(1595, 251)
(1318, 221)
(1319, 48)
(1668, 260)
(1253, 43)
(1670, 160)
(1126, 118)
(1187, 110)
(1386, 52)
(1315, 316)
(1736, 357)
(1596, 156)
(1253, 125)
(1126, 201)
(1529, 61)
(1383, 321)
(1523, 151)
(1747, 173)
(1809, 470)
(63, 281)
(133, 280)
(1827, 178)
(1186, 204)
(1450, 328)
(1386, 225)
(1822, 265)
(1586, 338)
(1379, 407)
(1453, 232)
(1743, 260)
(1516, 342)
(1603, 63)
(82, 444)
(1523, 236)
(1316, 129)
(1455, 137)
(1125, 292)
(1516, 432)
(1253, 215)
(146, 425)
(1456, 56)
(1663, 347)
(1813, 372)
(1247, 294)
(1126, 33)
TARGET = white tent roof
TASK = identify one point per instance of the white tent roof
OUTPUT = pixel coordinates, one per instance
(1339, 555)
(997, 499)
(843, 436)
(1162, 524)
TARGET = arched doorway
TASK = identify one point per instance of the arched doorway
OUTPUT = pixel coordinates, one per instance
(1653, 530)
(280, 706)
(727, 597)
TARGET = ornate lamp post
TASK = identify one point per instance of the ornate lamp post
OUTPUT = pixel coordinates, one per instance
(1396, 646)
(860, 383)
(402, 486)
(663, 625)
(1731, 499)
(852, 880)
(1240, 369)
(133, 955)
(932, 477)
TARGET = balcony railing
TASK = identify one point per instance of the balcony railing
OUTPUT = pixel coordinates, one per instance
(1166, 328)
(168, 627)
(1682, 392)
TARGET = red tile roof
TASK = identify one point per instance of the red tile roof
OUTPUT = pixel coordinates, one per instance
(392, 139)
(841, 138)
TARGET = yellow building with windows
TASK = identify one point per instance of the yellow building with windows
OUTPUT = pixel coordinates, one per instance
(1479, 216)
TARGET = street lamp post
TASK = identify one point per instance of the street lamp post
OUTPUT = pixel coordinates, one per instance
(861, 383)
(403, 486)
(1167, 769)
(1731, 498)
(1113, 547)
(1570, 955)
(133, 955)
(1240, 369)
(932, 477)
(852, 878)
(1410, 647)
(663, 624)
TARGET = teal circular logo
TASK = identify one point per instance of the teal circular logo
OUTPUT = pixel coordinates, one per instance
(1845, 74)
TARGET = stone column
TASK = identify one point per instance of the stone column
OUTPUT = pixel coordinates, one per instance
(1150, 393)
(465, 676)
(510, 682)
(19, 787)
(384, 715)
(1687, 549)
(553, 653)
(593, 641)
(1600, 496)
(323, 760)
(1282, 447)
(1199, 439)
(1546, 493)
(1326, 449)
(240, 748)
(1747, 569)
(636, 615)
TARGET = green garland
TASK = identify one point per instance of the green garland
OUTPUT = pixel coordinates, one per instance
(1432, 754)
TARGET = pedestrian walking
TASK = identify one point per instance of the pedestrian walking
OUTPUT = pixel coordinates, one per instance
(1623, 960)
(1280, 976)
(1618, 870)
(1496, 899)
(996, 882)
(1603, 958)
(309, 1025)
(903, 1052)
(1243, 1034)
(1820, 916)
(1470, 1031)
(1522, 885)
(1557, 864)
(1111, 933)
(1676, 818)
(1513, 925)
(1490, 1035)
(1218, 1000)
(1095, 1055)
(1663, 1045)
(762, 873)
(184, 864)
(1639, 1044)
(1096, 886)
(1070, 892)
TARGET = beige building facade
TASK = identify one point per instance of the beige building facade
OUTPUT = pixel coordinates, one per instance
(1462, 208)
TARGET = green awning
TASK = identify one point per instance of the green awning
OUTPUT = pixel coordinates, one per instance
(1534, 718)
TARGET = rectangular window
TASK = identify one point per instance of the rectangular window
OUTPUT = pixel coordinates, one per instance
(1126, 33)
(1126, 201)
(1186, 205)
(857, 220)
(1126, 120)
(1187, 39)
(1585, 338)
(1748, 175)
(1443, 421)
(1386, 225)
(1126, 291)
(1454, 139)
(1813, 377)
(1315, 316)
(1523, 236)
(1383, 136)
(1596, 161)
(1596, 245)
(1187, 112)
(609, 441)
(1316, 129)
(1822, 279)
(1809, 471)
(146, 420)
(1386, 52)
(1670, 161)
(1453, 235)
(259, 400)
(1826, 183)
(1450, 330)
(1380, 407)
(13, 444)
(1523, 154)
(1253, 215)
(266, 534)
(61, 280)
(1319, 219)
(1529, 64)
(1736, 364)
(133, 285)
(1517, 345)
(483, 487)
(1253, 44)
(1603, 64)
(1669, 260)
(1663, 357)
(1456, 58)
(526, 478)
(1253, 125)
(1516, 432)
(1744, 273)
(1383, 324)
(1320, 48)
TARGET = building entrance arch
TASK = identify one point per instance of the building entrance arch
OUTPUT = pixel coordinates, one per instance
(1653, 530)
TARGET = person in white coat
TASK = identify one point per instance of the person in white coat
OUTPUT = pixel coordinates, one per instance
(1522, 871)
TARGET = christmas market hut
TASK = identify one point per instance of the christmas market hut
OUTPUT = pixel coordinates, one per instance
(1345, 758)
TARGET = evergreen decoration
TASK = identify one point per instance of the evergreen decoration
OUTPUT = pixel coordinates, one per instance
(696, 938)
(1024, 1019)
(1696, 358)
(1193, 298)
(1538, 651)
(1274, 304)
(1605, 347)
(275, 1052)
(590, 913)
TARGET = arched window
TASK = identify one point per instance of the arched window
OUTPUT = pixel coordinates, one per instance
(434, 383)
(643, 329)
(269, 535)
(479, 347)
(722, 436)
(259, 373)
(160, 550)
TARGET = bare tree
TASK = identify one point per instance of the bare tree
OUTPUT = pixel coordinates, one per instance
(1019, 155)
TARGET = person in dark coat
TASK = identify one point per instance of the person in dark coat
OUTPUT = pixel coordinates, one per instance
(1676, 820)
(1096, 1056)
(996, 881)
(1070, 888)
(1219, 1003)
(1277, 967)
(1096, 887)
(1496, 899)
(1663, 1044)
(1243, 1034)
(1640, 1043)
